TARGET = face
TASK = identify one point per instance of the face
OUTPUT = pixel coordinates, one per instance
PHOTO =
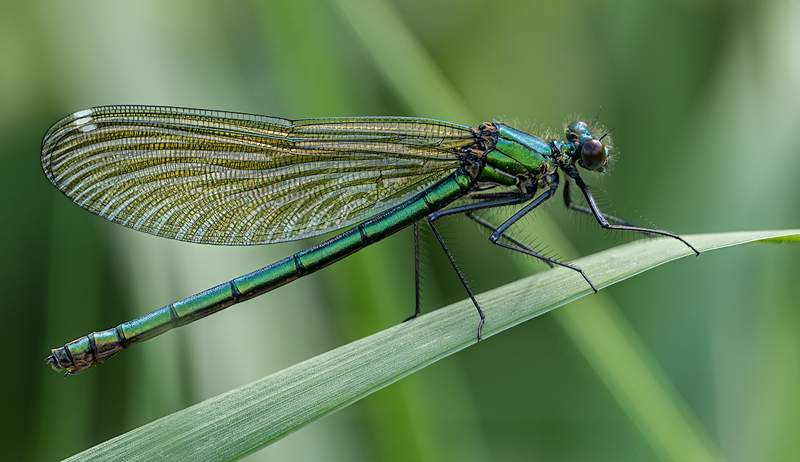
(590, 151)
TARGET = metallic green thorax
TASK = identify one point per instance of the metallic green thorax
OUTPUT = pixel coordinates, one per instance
(516, 153)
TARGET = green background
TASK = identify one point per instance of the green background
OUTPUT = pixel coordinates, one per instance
(702, 100)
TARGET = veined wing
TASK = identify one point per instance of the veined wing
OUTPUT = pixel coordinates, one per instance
(237, 179)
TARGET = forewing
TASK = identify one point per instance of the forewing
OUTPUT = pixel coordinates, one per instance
(237, 179)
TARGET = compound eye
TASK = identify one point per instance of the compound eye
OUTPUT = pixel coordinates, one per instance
(593, 155)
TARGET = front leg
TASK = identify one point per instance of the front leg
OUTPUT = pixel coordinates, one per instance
(604, 222)
(570, 204)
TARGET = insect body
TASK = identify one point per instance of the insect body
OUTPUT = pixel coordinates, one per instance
(238, 179)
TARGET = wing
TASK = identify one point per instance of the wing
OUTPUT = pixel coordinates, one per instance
(237, 179)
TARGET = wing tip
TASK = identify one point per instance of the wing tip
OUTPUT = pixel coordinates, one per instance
(79, 120)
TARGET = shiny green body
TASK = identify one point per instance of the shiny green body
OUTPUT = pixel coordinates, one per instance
(132, 165)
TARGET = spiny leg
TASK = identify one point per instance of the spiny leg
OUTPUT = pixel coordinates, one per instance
(553, 179)
(570, 204)
(417, 301)
(486, 224)
(500, 230)
(517, 246)
(460, 276)
(488, 200)
(598, 215)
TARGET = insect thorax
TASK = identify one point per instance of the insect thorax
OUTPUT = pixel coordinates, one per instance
(512, 157)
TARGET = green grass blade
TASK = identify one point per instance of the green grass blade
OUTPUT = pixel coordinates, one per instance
(243, 420)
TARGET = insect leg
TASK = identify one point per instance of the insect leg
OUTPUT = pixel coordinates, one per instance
(568, 202)
(460, 276)
(417, 301)
(498, 233)
(490, 202)
(486, 224)
(598, 215)
(525, 210)
(498, 195)
(517, 246)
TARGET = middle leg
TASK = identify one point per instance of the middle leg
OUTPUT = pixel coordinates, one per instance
(570, 204)
(499, 232)
(488, 200)
(516, 246)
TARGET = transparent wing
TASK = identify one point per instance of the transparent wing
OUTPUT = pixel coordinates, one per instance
(228, 178)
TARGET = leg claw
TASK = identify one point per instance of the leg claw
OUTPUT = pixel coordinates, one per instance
(480, 329)
(413, 316)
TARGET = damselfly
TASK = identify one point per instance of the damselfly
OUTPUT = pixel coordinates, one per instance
(238, 179)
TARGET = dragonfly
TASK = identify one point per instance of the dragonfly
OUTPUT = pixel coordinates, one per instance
(227, 178)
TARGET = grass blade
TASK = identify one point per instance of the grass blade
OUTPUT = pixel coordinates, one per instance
(236, 423)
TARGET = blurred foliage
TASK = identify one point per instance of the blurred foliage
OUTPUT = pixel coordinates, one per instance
(702, 100)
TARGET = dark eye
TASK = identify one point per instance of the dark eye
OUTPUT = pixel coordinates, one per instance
(593, 155)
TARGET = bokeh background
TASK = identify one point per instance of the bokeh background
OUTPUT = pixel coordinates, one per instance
(697, 360)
